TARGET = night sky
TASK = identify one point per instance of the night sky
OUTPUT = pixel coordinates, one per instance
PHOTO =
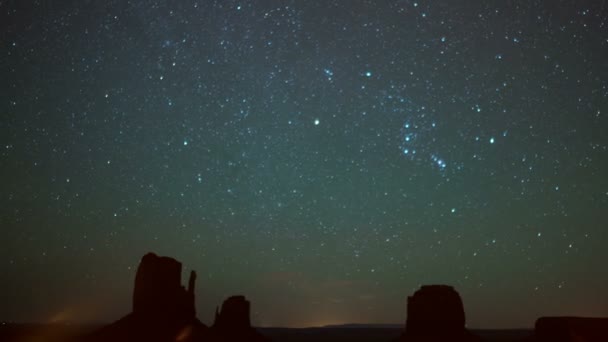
(323, 158)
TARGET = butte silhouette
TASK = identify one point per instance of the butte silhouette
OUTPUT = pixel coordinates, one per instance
(435, 313)
(164, 310)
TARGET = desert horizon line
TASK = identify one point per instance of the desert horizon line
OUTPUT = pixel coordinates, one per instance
(178, 267)
(348, 325)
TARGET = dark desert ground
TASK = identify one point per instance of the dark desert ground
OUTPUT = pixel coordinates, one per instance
(49, 333)
(408, 170)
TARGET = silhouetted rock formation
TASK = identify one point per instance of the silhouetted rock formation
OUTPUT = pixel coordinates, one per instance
(158, 291)
(232, 323)
(234, 314)
(436, 313)
(432, 307)
(571, 329)
(163, 310)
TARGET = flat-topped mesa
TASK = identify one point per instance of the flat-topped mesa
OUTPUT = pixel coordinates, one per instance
(435, 312)
(433, 307)
(158, 291)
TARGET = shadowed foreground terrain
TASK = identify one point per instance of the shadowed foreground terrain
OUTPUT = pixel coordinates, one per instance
(72, 333)
(163, 310)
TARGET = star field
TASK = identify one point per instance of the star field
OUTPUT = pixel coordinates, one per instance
(323, 158)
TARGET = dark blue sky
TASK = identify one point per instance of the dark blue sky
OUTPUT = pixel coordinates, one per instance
(324, 158)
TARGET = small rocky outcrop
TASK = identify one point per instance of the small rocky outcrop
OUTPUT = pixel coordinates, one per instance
(234, 314)
(163, 309)
(232, 322)
(571, 329)
(436, 313)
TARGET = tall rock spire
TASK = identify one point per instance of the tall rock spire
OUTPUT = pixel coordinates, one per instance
(163, 309)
